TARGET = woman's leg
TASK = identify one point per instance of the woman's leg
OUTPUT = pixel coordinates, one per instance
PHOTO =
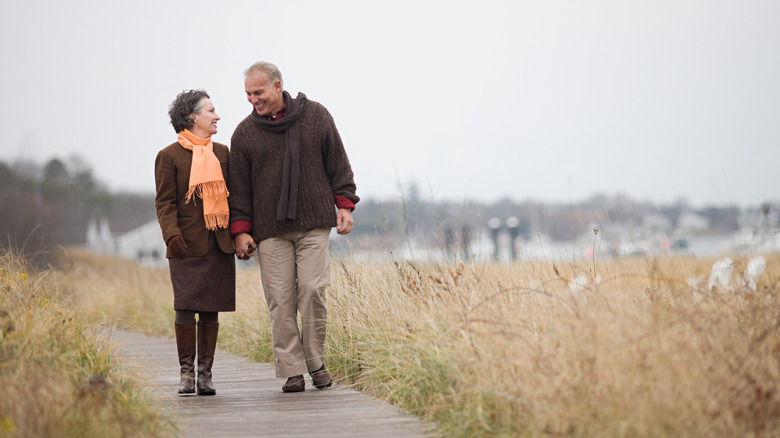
(210, 317)
(185, 316)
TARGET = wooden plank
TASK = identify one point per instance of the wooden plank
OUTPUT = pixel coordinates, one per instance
(250, 401)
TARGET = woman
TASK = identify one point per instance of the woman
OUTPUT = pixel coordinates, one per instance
(192, 209)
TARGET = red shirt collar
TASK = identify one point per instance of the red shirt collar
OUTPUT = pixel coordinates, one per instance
(278, 115)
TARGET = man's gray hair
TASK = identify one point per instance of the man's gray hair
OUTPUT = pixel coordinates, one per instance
(271, 70)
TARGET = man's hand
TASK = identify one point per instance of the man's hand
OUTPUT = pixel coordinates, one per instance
(245, 246)
(344, 221)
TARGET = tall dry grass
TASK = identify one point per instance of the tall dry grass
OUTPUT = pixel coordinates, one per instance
(512, 350)
(119, 292)
(57, 376)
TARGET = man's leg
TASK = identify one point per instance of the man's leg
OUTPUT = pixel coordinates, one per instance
(313, 265)
(277, 270)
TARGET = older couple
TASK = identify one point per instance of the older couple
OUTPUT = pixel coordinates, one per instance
(284, 183)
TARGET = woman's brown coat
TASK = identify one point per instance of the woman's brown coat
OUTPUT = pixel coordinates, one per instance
(172, 177)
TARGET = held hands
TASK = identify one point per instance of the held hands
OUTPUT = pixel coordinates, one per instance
(344, 221)
(178, 246)
(245, 246)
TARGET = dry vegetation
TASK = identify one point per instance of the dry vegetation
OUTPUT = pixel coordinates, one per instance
(58, 378)
(511, 350)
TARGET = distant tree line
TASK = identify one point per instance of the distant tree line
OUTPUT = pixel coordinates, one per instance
(411, 216)
(42, 206)
(51, 204)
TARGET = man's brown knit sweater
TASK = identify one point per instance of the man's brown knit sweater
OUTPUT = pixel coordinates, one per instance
(256, 169)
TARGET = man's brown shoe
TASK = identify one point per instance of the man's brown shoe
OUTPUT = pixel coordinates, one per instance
(321, 378)
(294, 384)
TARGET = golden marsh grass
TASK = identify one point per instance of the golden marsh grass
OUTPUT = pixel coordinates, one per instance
(508, 350)
(58, 378)
(512, 350)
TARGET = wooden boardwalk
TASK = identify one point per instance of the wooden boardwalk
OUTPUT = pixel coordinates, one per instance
(250, 401)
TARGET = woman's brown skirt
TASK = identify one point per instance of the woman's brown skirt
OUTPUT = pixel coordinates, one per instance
(204, 284)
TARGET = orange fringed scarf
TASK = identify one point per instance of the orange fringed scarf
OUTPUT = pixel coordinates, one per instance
(206, 180)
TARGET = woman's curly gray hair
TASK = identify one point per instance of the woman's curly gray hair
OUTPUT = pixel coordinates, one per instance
(186, 104)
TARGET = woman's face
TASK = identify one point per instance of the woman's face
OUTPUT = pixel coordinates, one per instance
(205, 121)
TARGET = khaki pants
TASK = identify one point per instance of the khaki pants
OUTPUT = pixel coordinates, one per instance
(295, 271)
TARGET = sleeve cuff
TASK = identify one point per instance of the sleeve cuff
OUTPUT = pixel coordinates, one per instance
(343, 202)
(238, 227)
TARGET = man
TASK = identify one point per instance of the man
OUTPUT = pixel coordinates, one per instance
(288, 168)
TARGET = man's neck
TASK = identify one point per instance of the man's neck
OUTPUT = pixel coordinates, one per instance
(277, 115)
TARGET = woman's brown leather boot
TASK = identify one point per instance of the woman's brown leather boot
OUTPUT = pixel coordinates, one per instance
(185, 344)
(207, 343)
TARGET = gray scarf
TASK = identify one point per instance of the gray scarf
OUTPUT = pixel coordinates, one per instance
(292, 152)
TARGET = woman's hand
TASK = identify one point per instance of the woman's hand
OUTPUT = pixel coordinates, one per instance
(178, 246)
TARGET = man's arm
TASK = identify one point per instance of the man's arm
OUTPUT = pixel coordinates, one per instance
(240, 199)
(337, 167)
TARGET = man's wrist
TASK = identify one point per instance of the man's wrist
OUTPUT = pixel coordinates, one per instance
(239, 227)
(342, 202)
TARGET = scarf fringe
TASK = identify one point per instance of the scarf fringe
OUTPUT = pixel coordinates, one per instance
(214, 221)
(216, 189)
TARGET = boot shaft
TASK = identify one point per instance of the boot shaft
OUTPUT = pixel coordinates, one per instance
(207, 344)
(185, 345)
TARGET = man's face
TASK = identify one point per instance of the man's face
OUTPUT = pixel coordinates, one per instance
(265, 96)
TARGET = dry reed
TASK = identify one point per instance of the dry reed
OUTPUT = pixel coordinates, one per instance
(58, 378)
(622, 348)
(514, 350)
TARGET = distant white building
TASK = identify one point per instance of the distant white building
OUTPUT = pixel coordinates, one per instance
(656, 222)
(692, 222)
(99, 237)
(144, 244)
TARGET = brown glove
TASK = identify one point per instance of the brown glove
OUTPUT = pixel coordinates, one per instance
(178, 246)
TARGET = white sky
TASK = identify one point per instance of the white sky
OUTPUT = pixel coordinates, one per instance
(546, 100)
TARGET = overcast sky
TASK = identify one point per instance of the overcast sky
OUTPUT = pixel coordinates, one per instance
(553, 101)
